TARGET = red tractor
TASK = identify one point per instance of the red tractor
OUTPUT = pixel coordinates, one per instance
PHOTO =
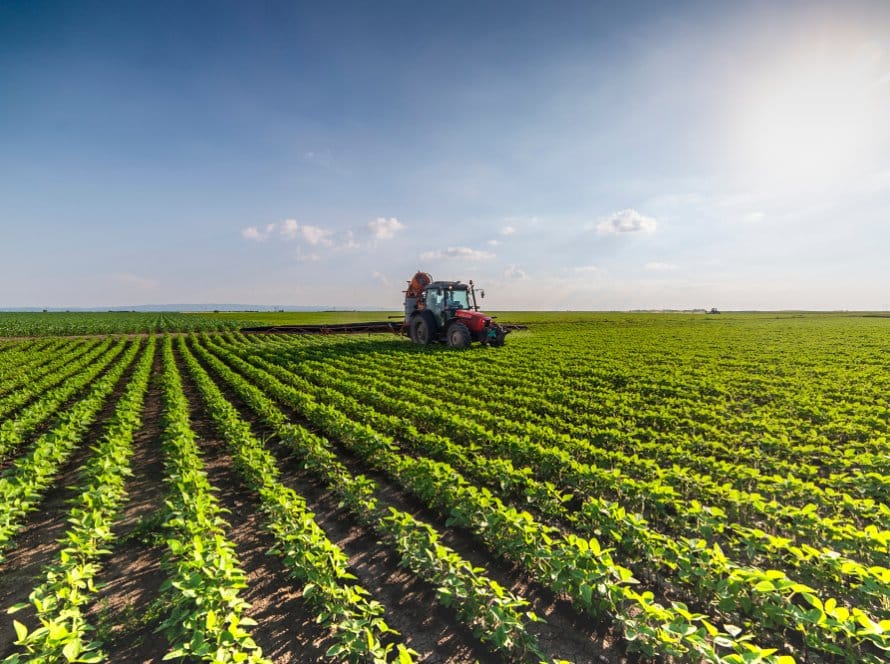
(446, 311)
(435, 311)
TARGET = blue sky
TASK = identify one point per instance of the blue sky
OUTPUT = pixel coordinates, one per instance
(565, 155)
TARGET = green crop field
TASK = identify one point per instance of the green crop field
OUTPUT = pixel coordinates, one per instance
(603, 488)
(125, 322)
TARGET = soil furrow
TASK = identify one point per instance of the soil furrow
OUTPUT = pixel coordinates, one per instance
(411, 604)
(36, 544)
(285, 621)
(126, 611)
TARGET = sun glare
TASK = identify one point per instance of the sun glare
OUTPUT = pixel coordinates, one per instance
(812, 120)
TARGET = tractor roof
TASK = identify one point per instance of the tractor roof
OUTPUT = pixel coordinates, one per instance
(454, 285)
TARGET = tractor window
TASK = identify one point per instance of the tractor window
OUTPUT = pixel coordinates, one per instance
(458, 300)
(434, 299)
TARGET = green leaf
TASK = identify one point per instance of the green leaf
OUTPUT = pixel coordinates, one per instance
(20, 630)
(174, 654)
(813, 600)
(732, 630)
(71, 650)
(712, 631)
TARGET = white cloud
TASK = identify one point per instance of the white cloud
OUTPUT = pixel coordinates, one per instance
(348, 241)
(753, 217)
(508, 230)
(382, 278)
(659, 266)
(303, 257)
(289, 228)
(385, 229)
(315, 235)
(319, 237)
(626, 221)
(586, 269)
(515, 273)
(493, 243)
(257, 235)
(456, 253)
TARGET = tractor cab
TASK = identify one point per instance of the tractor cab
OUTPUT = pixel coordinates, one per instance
(444, 298)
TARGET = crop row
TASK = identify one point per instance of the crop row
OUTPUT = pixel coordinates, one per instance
(654, 462)
(683, 404)
(69, 323)
(497, 616)
(69, 582)
(566, 563)
(21, 358)
(15, 430)
(823, 568)
(36, 382)
(766, 599)
(347, 608)
(205, 618)
(600, 436)
(604, 403)
(675, 479)
(678, 440)
(23, 484)
(661, 492)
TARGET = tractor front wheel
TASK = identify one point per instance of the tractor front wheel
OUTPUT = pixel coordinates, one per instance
(458, 336)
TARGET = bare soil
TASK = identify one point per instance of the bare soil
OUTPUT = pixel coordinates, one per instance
(125, 610)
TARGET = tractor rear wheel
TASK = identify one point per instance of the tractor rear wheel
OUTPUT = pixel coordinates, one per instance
(422, 328)
(458, 336)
